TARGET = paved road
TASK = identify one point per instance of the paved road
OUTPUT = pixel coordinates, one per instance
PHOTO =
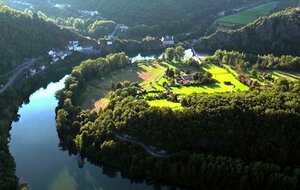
(146, 147)
(17, 72)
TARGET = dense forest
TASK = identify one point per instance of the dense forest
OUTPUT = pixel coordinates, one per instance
(236, 140)
(24, 36)
(277, 34)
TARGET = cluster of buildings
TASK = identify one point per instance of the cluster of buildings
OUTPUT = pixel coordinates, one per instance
(60, 55)
(186, 78)
(33, 71)
(56, 56)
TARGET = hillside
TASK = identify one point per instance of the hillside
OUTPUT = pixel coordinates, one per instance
(170, 123)
(144, 18)
(24, 36)
(152, 12)
(278, 34)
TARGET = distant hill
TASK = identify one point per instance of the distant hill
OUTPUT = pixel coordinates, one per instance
(23, 36)
(278, 34)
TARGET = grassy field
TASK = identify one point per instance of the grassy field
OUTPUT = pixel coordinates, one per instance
(286, 75)
(220, 75)
(165, 103)
(150, 74)
(247, 16)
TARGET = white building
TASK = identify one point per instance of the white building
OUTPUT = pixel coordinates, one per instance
(52, 53)
(79, 48)
(55, 59)
(168, 40)
(32, 72)
(73, 45)
(42, 67)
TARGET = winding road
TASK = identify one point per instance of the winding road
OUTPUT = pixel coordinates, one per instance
(16, 72)
(149, 150)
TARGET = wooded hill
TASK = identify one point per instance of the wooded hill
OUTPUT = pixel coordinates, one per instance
(160, 17)
(24, 36)
(243, 140)
(277, 34)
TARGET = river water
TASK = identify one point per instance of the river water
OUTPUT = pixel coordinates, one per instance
(39, 160)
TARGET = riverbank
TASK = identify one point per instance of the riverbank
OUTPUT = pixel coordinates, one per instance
(10, 101)
(19, 93)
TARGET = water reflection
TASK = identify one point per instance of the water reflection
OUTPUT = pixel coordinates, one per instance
(40, 163)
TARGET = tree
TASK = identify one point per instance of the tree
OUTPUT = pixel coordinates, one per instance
(179, 53)
(170, 54)
(101, 28)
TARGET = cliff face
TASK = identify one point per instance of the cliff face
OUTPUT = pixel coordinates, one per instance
(278, 34)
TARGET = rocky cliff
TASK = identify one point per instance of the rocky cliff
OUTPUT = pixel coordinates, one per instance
(278, 34)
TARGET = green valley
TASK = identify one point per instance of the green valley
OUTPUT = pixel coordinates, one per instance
(139, 94)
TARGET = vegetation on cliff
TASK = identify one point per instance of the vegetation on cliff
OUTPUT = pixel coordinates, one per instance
(277, 34)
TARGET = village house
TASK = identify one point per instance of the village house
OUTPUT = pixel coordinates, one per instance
(32, 72)
(60, 55)
(78, 48)
(43, 67)
(168, 40)
(52, 53)
(55, 59)
(73, 45)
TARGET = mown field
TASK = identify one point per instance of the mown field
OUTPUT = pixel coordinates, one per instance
(220, 75)
(291, 76)
(245, 17)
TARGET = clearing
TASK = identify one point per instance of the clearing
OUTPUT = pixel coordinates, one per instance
(152, 78)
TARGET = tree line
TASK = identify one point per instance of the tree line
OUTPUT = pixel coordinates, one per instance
(250, 61)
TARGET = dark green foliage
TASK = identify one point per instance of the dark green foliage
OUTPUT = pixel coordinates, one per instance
(25, 37)
(101, 28)
(244, 140)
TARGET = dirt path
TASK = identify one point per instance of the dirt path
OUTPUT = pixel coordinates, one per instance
(148, 149)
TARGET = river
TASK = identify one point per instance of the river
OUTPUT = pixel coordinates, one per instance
(39, 160)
